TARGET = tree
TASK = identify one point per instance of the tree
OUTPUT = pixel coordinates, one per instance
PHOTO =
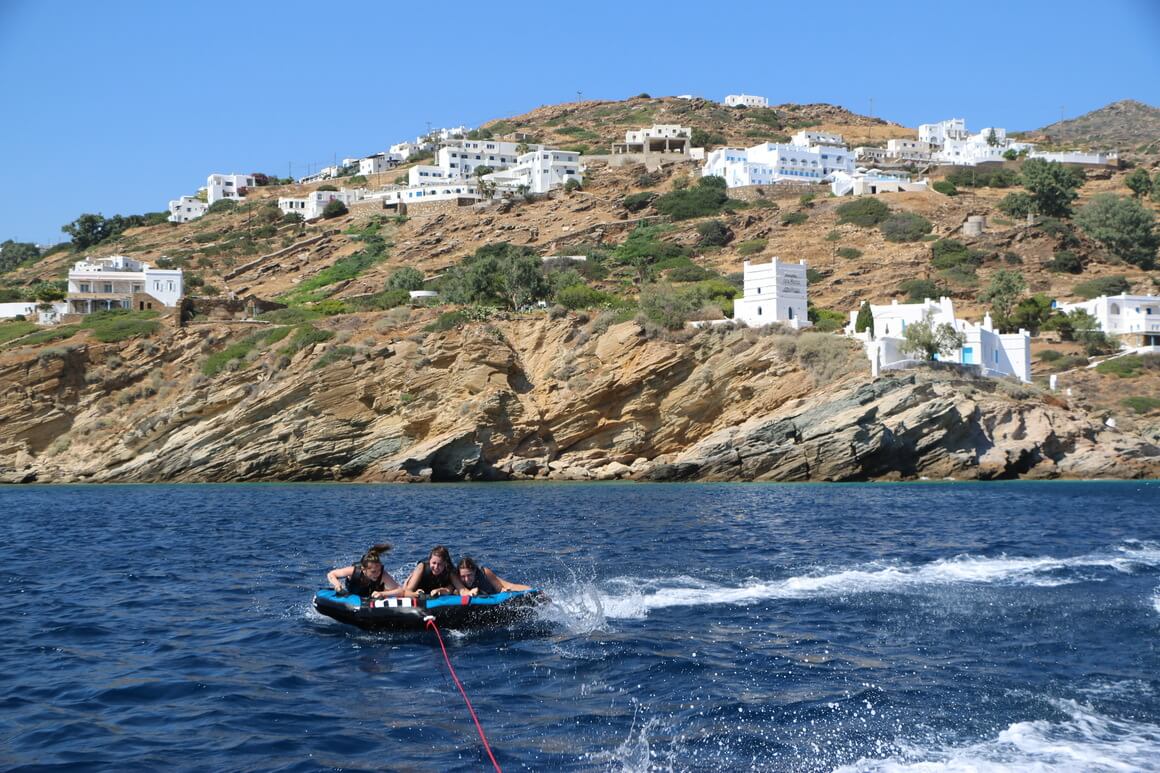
(1031, 313)
(865, 318)
(50, 292)
(1124, 226)
(1003, 292)
(929, 340)
(524, 281)
(1156, 188)
(713, 233)
(1010, 154)
(1139, 182)
(480, 171)
(571, 185)
(87, 230)
(992, 140)
(406, 278)
(1052, 186)
(498, 273)
(334, 208)
(1017, 204)
(13, 253)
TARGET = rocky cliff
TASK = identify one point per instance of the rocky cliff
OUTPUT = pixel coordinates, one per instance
(531, 397)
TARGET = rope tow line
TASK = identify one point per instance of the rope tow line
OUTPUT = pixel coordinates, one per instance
(431, 624)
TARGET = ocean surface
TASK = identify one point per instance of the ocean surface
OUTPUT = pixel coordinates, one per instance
(881, 627)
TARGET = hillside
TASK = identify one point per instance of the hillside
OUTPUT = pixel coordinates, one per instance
(350, 382)
(1123, 125)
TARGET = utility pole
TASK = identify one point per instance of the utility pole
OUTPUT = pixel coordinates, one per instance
(871, 107)
(579, 95)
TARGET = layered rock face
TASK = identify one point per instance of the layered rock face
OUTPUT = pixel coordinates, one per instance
(535, 398)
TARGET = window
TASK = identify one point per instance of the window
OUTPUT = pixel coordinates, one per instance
(83, 288)
(108, 287)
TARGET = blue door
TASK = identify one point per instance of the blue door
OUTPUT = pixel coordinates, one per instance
(968, 355)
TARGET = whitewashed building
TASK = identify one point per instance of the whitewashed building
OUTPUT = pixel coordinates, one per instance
(32, 311)
(407, 149)
(773, 292)
(378, 163)
(312, 204)
(119, 282)
(459, 158)
(871, 182)
(745, 100)
(453, 190)
(540, 170)
(227, 186)
(1093, 158)
(951, 143)
(809, 159)
(426, 174)
(990, 352)
(1134, 319)
(186, 208)
(666, 138)
(808, 139)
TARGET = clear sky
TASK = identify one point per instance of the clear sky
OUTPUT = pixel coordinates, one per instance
(119, 106)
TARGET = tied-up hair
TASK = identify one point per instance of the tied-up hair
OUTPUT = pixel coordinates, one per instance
(467, 562)
(372, 556)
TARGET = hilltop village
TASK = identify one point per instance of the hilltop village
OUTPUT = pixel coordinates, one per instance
(539, 297)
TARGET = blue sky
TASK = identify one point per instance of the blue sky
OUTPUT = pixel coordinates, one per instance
(119, 106)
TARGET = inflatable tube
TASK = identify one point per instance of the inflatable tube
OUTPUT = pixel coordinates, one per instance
(450, 612)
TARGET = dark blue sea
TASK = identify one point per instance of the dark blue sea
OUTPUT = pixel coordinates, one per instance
(937, 626)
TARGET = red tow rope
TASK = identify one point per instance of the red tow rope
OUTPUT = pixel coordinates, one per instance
(475, 719)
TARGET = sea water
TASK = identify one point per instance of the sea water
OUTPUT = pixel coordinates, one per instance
(902, 627)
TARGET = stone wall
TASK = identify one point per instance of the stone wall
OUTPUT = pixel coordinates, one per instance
(778, 191)
(226, 308)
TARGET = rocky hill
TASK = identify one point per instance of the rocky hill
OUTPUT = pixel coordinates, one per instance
(348, 382)
(1123, 125)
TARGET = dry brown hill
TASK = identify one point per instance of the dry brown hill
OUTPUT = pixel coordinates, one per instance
(1123, 125)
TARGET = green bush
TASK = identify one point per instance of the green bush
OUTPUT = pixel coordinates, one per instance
(334, 209)
(218, 361)
(291, 316)
(387, 299)
(635, 202)
(1128, 366)
(331, 307)
(713, 233)
(1050, 355)
(833, 236)
(1123, 225)
(865, 212)
(582, 296)
(946, 188)
(327, 187)
(304, 336)
(333, 355)
(826, 320)
(15, 329)
(918, 290)
(951, 254)
(1018, 205)
(222, 205)
(406, 278)
(794, 218)
(1108, 285)
(1141, 404)
(707, 197)
(48, 335)
(690, 273)
(1067, 262)
(751, 246)
(984, 176)
(905, 227)
(113, 330)
(312, 288)
(849, 253)
(447, 321)
(358, 179)
(572, 185)
(275, 335)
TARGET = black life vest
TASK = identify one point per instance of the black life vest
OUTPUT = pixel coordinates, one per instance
(482, 583)
(430, 581)
(358, 584)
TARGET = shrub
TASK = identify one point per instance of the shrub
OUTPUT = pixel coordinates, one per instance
(813, 276)
(665, 306)
(690, 273)
(635, 202)
(826, 320)
(826, 356)
(222, 205)
(1128, 366)
(581, 296)
(807, 199)
(1066, 261)
(327, 187)
(387, 299)
(982, 177)
(905, 227)
(572, 185)
(946, 188)
(218, 361)
(751, 246)
(849, 253)
(447, 321)
(334, 209)
(864, 212)
(406, 278)
(1141, 404)
(333, 355)
(705, 198)
(833, 236)
(304, 336)
(951, 253)
(1124, 226)
(1108, 285)
(1017, 205)
(330, 307)
(918, 290)
(713, 233)
(794, 218)
(1052, 186)
(1050, 355)
(291, 316)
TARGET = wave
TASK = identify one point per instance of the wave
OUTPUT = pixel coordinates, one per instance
(1085, 741)
(1156, 600)
(584, 606)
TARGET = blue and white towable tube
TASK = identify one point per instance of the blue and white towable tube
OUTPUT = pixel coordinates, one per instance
(450, 612)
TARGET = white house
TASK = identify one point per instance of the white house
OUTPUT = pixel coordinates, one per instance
(1134, 319)
(871, 182)
(312, 204)
(773, 292)
(46, 314)
(1100, 158)
(459, 158)
(378, 163)
(745, 100)
(951, 143)
(540, 170)
(407, 149)
(806, 138)
(186, 208)
(992, 353)
(658, 138)
(227, 186)
(422, 194)
(118, 282)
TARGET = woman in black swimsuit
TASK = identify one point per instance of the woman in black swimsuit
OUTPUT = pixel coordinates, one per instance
(483, 581)
(435, 576)
(367, 577)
